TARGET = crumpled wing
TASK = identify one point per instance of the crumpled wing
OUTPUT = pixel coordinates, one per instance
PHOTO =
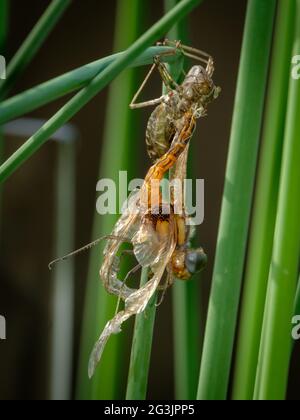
(127, 225)
(147, 245)
(135, 303)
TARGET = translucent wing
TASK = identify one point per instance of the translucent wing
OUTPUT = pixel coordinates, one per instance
(137, 301)
(148, 243)
(126, 227)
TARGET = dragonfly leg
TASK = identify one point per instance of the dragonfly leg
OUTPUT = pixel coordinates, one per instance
(109, 275)
(168, 283)
(151, 102)
(85, 248)
(132, 272)
(123, 283)
(166, 78)
(194, 53)
(115, 286)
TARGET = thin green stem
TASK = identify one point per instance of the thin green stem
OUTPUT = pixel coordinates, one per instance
(142, 340)
(236, 204)
(94, 87)
(141, 349)
(33, 42)
(274, 355)
(109, 377)
(63, 275)
(69, 82)
(185, 295)
(264, 213)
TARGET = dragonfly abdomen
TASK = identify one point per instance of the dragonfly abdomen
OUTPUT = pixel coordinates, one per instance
(159, 133)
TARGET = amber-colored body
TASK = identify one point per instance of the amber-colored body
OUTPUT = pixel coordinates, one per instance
(167, 161)
(176, 116)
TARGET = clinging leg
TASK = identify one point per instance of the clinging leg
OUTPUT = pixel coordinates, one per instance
(194, 53)
(168, 283)
(151, 102)
(85, 248)
(167, 79)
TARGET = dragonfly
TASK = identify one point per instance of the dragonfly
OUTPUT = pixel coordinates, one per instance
(159, 237)
(172, 122)
(159, 240)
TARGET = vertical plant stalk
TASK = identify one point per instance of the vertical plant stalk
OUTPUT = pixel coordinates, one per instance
(140, 357)
(236, 204)
(185, 295)
(141, 348)
(264, 213)
(120, 134)
(32, 43)
(143, 332)
(63, 275)
(274, 356)
(187, 338)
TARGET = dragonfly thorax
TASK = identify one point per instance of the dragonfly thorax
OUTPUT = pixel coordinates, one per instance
(193, 95)
(197, 90)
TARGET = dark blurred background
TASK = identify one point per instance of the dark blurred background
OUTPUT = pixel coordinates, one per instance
(84, 34)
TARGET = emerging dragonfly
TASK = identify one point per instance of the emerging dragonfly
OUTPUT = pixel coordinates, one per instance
(159, 237)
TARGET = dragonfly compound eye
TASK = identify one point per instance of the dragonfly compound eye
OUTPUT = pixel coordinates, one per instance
(195, 260)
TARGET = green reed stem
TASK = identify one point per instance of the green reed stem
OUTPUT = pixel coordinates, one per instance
(274, 355)
(142, 345)
(185, 295)
(265, 207)
(120, 134)
(236, 205)
(141, 349)
(63, 297)
(53, 89)
(33, 42)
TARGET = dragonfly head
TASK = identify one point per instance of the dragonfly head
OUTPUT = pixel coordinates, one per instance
(195, 260)
(185, 263)
(198, 89)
